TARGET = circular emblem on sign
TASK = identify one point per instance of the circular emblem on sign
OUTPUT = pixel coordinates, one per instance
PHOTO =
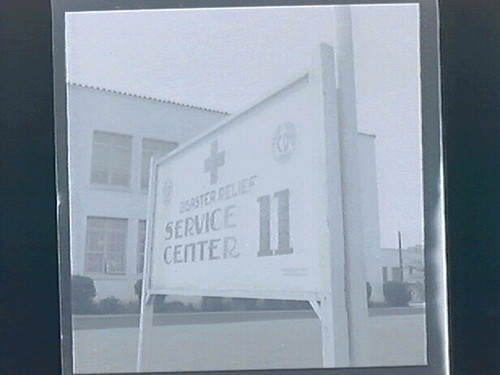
(168, 190)
(284, 142)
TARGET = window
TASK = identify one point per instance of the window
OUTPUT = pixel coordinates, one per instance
(111, 158)
(384, 274)
(150, 148)
(106, 245)
(141, 242)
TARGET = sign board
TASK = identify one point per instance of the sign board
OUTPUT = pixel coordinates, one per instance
(242, 210)
(264, 206)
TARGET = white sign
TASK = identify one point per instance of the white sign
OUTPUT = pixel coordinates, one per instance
(267, 205)
(242, 210)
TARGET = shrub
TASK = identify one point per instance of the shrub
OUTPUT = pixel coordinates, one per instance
(213, 304)
(158, 299)
(418, 291)
(111, 305)
(297, 305)
(276, 304)
(173, 307)
(158, 303)
(397, 293)
(242, 304)
(273, 304)
(131, 307)
(83, 292)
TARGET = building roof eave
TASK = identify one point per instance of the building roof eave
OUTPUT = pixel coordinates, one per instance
(162, 100)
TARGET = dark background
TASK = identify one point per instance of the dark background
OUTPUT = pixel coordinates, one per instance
(29, 324)
(470, 48)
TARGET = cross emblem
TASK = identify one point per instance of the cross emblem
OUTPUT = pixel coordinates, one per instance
(214, 162)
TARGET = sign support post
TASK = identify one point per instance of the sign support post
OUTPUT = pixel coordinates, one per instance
(145, 328)
(343, 311)
(331, 309)
(355, 275)
(147, 299)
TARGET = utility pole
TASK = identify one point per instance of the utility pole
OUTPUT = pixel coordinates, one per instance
(400, 249)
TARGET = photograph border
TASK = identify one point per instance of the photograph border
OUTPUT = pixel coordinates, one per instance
(436, 312)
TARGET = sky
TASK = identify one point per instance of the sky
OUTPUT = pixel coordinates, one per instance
(227, 58)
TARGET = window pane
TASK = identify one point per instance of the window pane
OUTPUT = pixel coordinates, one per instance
(115, 263)
(100, 154)
(99, 176)
(106, 245)
(95, 241)
(102, 137)
(111, 159)
(116, 224)
(140, 263)
(122, 140)
(150, 148)
(120, 159)
(116, 242)
(94, 263)
(141, 239)
(120, 178)
(96, 222)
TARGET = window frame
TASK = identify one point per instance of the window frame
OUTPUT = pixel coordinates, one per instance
(112, 147)
(106, 251)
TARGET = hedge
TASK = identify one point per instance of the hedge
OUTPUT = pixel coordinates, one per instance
(397, 293)
(83, 292)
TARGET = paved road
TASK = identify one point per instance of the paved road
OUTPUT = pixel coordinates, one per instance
(267, 344)
(82, 322)
(383, 311)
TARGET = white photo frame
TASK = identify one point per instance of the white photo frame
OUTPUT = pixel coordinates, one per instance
(109, 120)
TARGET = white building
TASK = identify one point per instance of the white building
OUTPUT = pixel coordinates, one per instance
(112, 136)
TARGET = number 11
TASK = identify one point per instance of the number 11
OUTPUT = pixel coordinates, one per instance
(283, 197)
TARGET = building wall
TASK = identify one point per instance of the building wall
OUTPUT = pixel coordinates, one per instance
(90, 110)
